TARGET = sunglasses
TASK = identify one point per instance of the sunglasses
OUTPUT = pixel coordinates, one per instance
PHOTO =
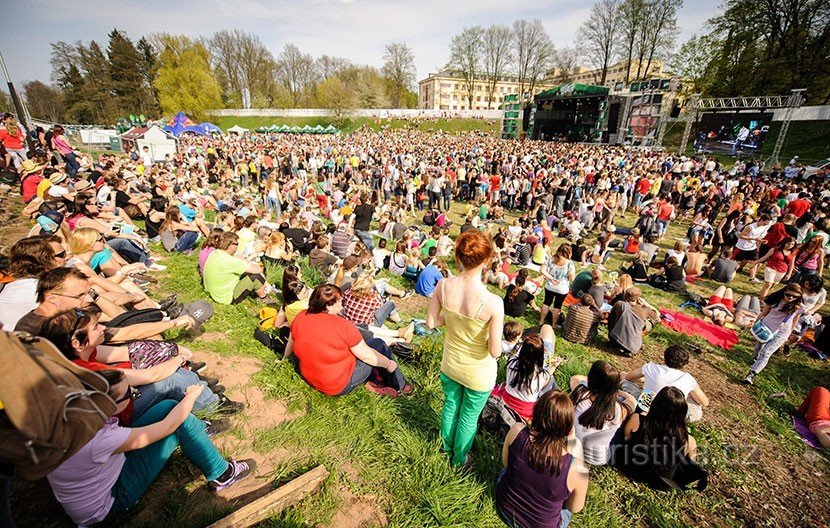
(61, 254)
(792, 296)
(131, 394)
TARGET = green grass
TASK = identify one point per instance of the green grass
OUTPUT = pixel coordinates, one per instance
(350, 124)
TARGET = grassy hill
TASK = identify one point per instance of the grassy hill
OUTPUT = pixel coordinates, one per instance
(350, 124)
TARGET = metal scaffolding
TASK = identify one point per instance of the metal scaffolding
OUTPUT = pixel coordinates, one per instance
(696, 104)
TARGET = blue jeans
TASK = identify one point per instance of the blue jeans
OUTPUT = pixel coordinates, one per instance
(383, 313)
(187, 241)
(72, 164)
(366, 238)
(363, 371)
(142, 466)
(662, 226)
(172, 388)
(128, 250)
(274, 205)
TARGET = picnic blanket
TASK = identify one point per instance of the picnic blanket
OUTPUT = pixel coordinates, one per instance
(803, 431)
(686, 324)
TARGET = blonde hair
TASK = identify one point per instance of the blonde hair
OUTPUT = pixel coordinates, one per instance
(363, 285)
(82, 239)
(276, 239)
(625, 282)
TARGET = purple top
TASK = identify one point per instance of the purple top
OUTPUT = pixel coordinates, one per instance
(83, 483)
(530, 497)
(203, 255)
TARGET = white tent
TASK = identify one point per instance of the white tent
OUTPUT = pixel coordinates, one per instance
(236, 129)
(159, 142)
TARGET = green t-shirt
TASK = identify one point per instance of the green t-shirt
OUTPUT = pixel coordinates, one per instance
(222, 272)
(430, 242)
(581, 284)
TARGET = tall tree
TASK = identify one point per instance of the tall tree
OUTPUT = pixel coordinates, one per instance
(465, 58)
(399, 71)
(297, 71)
(597, 37)
(97, 89)
(149, 67)
(658, 34)
(631, 14)
(565, 62)
(44, 101)
(497, 44)
(692, 61)
(334, 94)
(328, 66)
(533, 53)
(6, 104)
(185, 80)
(242, 62)
(126, 75)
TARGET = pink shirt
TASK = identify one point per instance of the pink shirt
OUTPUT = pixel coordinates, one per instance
(61, 144)
(203, 256)
(83, 483)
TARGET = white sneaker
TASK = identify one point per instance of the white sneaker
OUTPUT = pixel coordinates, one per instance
(156, 267)
(749, 378)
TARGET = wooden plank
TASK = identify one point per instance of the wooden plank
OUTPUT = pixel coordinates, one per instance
(275, 501)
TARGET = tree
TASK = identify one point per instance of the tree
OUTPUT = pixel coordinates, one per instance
(772, 47)
(497, 43)
(658, 33)
(97, 87)
(126, 75)
(533, 53)
(6, 104)
(399, 71)
(465, 58)
(296, 70)
(185, 80)
(630, 14)
(331, 66)
(242, 61)
(691, 62)
(565, 61)
(149, 67)
(44, 101)
(334, 94)
(597, 37)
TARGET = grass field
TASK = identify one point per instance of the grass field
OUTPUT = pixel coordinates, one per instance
(350, 124)
(384, 454)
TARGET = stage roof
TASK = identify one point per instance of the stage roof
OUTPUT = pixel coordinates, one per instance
(571, 90)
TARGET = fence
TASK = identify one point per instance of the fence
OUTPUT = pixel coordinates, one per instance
(398, 113)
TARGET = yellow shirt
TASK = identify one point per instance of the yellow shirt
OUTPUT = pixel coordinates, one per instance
(294, 309)
(467, 358)
(42, 187)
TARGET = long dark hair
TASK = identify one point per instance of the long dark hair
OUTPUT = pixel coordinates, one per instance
(790, 307)
(289, 275)
(665, 422)
(514, 290)
(553, 419)
(529, 362)
(603, 383)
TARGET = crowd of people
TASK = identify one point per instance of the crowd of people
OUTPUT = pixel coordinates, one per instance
(538, 225)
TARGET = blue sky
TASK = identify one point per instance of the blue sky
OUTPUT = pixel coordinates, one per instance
(355, 29)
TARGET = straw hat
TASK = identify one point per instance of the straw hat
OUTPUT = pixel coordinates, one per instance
(30, 167)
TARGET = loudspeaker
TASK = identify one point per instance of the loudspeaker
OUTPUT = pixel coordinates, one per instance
(613, 117)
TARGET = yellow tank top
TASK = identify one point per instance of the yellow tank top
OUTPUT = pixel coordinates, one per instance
(467, 359)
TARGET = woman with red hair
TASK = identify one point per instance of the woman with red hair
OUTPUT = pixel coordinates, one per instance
(474, 318)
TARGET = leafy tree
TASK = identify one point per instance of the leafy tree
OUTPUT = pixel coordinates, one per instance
(44, 101)
(149, 67)
(465, 58)
(6, 104)
(297, 71)
(126, 75)
(334, 94)
(399, 71)
(242, 61)
(691, 62)
(185, 80)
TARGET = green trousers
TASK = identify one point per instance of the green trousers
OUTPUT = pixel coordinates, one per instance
(459, 418)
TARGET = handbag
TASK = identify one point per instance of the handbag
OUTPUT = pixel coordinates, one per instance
(763, 333)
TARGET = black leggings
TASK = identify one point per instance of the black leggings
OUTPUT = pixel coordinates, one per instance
(553, 299)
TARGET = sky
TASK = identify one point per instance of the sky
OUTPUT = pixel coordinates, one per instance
(354, 29)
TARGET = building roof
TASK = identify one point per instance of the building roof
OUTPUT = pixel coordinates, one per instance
(570, 90)
(135, 133)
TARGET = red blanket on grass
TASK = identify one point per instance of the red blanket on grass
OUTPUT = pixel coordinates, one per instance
(686, 324)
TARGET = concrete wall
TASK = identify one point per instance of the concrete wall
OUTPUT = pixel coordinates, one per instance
(381, 113)
(805, 113)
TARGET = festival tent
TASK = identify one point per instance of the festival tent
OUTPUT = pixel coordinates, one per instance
(180, 123)
(210, 128)
(331, 130)
(306, 130)
(295, 129)
(274, 128)
(283, 129)
(158, 141)
(236, 129)
(319, 129)
(262, 129)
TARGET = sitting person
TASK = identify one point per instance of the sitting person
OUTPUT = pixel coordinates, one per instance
(723, 269)
(108, 475)
(695, 260)
(542, 468)
(495, 275)
(671, 278)
(79, 337)
(600, 409)
(208, 246)
(230, 279)
(429, 278)
(517, 298)
(381, 255)
(655, 377)
(747, 311)
(639, 268)
(816, 411)
(177, 235)
(364, 306)
(629, 320)
(527, 375)
(721, 307)
(632, 242)
(277, 249)
(321, 259)
(345, 272)
(582, 321)
(28, 258)
(640, 457)
(332, 355)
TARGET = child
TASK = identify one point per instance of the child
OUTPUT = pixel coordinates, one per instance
(632, 243)
(511, 334)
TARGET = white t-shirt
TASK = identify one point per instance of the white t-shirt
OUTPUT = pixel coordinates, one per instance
(16, 300)
(596, 442)
(755, 231)
(560, 273)
(659, 376)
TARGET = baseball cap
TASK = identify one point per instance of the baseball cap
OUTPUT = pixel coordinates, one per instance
(200, 311)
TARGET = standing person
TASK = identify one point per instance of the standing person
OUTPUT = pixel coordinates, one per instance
(544, 481)
(773, 328)
(66, 151)
(809, 260)
(474, 318)
(14, 141)
(665, 214)
(559, 270)
(749, 239)
(779, 264)
(363, 214)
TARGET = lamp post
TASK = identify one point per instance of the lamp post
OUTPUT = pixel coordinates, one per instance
(18, 105)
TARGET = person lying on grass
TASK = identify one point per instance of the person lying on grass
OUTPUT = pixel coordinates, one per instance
(816, 411)
(108, 476)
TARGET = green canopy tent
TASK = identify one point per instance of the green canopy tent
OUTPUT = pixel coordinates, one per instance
(262, 129)
(306, 130)
(273, 128)
(331, 130)
(294, 130)
(318, 129)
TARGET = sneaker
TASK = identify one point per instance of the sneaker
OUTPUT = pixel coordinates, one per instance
(381, 390)
(755, 281)
(175, 310)
(786, 350)
(210, 381)
(217, 426)
(217, 389)
(749, 378)
(237, 470)
(197, 366)
(408, 293)
(228, 407)
(156, 267)
(407, 390)
(169, 301)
